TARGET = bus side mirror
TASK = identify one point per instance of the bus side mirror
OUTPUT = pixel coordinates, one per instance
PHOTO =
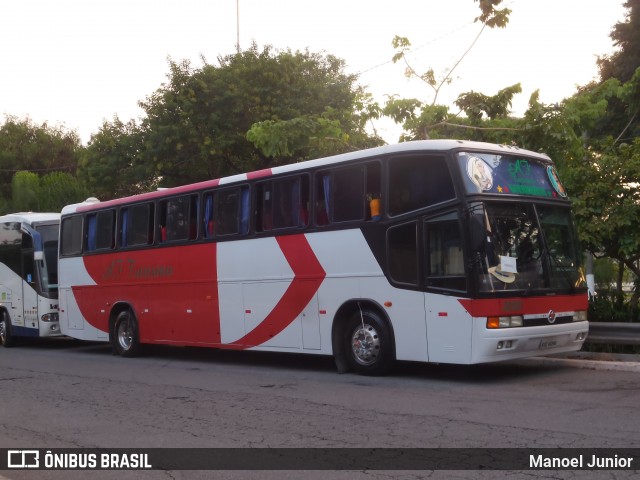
(38, 256)
(478, 233)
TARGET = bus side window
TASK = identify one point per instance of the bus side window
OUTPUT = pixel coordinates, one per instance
(71, 235)
(136, 225)
(283, 203)
(178, 218)
(418, 181)
(231, 211)
(348, 194)
(100, 230)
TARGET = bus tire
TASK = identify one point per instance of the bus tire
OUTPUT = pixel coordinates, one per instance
(368, 343)
(6, 338)
(125, 340)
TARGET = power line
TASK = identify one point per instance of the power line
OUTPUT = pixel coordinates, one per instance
(50, 169)
(419, 47)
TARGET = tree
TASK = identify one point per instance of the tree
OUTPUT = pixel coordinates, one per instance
(623, 63)
(608, 207)
(295, 104)
(58, 189)
(113, 165)
(622, 120)
(25, 188)
(49, 193)
(25, 146)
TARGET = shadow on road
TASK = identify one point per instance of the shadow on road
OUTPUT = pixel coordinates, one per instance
(201, 358)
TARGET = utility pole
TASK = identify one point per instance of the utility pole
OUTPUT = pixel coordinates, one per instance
(238, 26)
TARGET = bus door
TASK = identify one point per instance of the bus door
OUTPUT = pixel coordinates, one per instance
(30, 302)
(449, 326)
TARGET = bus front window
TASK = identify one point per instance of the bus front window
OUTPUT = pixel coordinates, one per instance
(527, 247)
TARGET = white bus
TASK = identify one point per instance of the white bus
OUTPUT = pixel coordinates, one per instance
(436, 251)
(28, 276)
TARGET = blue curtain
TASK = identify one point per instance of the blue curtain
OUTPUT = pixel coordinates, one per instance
(208, 218)
(326, 184)
(91, 233)
(244, 211)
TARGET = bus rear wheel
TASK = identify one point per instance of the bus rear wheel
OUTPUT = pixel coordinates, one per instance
(369, 347)
(125, 341)
(6, 338)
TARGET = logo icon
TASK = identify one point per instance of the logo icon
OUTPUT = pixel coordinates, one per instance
(23, 459)
(551, 316)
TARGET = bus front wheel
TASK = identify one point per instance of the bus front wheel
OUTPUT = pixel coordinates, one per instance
(125, 339)
(6, 338)
(369, 347)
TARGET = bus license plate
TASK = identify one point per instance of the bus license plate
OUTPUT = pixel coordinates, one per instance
(548, 343)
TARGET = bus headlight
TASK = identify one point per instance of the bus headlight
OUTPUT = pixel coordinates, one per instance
(580, 316)
(50, 317)
(505, 321)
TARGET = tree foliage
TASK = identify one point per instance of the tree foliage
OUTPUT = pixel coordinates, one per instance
(623, 63)
(254, 110)
(114, 154)
(25, 146)
(47, 193)
(492, 16)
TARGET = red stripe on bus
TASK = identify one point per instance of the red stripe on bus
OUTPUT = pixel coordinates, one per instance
(524, 305)
(259, 174)
(308, 276)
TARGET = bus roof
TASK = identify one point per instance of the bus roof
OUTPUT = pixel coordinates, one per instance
(405, 147)
(30, 218)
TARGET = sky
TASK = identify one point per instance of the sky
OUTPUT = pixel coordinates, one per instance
(78, 63)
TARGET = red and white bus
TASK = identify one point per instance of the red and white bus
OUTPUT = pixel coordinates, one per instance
(435, 251)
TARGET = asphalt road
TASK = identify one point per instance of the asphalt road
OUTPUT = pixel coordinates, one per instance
(63, 393)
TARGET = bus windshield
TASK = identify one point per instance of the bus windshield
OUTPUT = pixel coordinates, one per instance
(526, 247)
(48, 267)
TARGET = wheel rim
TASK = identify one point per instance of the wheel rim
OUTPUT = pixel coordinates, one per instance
(3, 331)
(125, 336)
(365, 344)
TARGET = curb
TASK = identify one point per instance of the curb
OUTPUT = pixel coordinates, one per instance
(590, 361)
